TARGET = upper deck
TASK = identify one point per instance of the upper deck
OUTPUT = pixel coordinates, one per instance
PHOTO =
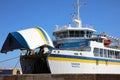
(73, 32)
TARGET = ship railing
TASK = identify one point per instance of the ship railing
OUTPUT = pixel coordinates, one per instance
(114, 47)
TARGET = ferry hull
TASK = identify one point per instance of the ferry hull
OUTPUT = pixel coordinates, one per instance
(68, 64)
(82, 66)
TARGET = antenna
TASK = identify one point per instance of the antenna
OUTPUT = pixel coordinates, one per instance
(78, 9)
(78, 20)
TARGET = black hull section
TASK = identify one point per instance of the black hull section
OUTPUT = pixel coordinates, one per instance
(34, 64)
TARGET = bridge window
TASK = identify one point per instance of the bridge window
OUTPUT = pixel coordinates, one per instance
(65, 34)
(82, 33)
(76, 33)
(89, 34)
(71, 33)
(62, 34)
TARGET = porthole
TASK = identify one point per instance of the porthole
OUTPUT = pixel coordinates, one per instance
(81, 54)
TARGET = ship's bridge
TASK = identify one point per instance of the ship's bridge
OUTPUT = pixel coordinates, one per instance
(73, 32)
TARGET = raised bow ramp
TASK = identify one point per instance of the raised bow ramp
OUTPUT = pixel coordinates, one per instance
(26, 39)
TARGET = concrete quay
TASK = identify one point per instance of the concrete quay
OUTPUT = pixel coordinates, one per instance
(61, 77)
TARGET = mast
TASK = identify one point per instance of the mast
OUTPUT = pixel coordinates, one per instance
(78, 9)
(78, 20)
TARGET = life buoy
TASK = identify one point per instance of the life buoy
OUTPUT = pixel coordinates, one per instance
(107, 42)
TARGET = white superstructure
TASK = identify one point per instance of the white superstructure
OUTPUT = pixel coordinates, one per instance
(79, 51)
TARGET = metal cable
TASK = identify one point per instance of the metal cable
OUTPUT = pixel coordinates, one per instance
(9, 59)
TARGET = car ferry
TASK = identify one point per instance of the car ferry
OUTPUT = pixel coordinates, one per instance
(75, 50)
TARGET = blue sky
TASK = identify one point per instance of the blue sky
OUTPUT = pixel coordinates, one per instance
(103, 15)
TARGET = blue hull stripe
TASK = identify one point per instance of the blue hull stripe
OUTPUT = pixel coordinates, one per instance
(82, 57)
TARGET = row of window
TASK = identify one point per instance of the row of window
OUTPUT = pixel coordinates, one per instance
(73, 34)
(99, 52)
